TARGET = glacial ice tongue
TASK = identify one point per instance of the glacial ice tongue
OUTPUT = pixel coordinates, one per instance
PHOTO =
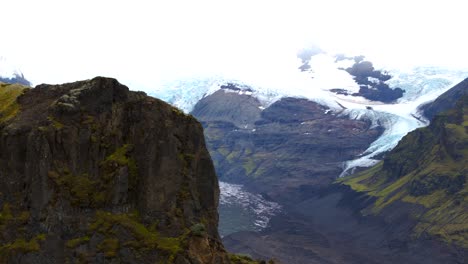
(395, 128)
(422, 85)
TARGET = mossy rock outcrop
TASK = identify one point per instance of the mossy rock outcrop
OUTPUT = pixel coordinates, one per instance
(91, 172)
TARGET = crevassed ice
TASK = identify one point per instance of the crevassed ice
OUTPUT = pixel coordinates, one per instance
(422, 85)
(396, 127)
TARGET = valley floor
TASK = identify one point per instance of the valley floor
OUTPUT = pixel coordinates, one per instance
(327, 228)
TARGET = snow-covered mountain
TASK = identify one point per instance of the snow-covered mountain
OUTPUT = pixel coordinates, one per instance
(349, 86)
(10, 73)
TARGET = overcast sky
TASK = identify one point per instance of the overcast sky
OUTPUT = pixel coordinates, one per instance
(142, 42)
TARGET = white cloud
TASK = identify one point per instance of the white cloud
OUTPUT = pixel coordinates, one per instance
(141, 42)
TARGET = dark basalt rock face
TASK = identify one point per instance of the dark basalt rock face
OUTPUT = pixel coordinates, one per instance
(446, 101)
(285, 151)
(235, 87)
(371, 82)
(374, 89)
(93, 173)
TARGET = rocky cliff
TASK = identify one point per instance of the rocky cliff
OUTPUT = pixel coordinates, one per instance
(91, 172)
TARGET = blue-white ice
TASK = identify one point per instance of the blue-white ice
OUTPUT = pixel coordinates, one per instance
(396, 127)
(425, 81)
(421, 85)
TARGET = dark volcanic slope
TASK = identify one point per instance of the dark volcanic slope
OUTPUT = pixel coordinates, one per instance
(285, 151)
(446, 101)
(93, 173)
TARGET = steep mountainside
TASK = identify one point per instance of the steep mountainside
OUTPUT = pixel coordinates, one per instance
(446, 101)
(93, 173)
(285, 151)
(426, 174)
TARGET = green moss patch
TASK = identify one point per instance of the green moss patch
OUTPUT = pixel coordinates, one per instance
(20, 246)
(249, 166)
(80, 190)
(87, 191)
(119, 158)
(110, 247)
(56, 124)
(73, 243)
(9, 107)
(245, 259)
(198, 230)
(11, 220)
(120, 155)
(143, 238)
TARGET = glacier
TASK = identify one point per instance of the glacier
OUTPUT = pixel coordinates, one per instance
(421, 84)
